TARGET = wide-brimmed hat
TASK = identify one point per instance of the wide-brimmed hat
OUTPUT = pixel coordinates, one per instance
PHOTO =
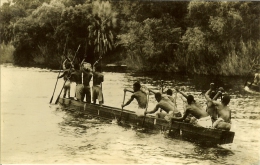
(86, 66)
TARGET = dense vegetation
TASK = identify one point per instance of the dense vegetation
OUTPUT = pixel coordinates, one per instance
(192, 37)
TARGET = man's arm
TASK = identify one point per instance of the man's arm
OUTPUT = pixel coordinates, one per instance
(154, 110)
(207, 95)
(129, 101)
(151, 91)
(183, 94)
(64, 64)
(215, 97)
(183, 117)
(128, 90)
(82, 62)
(61, 75)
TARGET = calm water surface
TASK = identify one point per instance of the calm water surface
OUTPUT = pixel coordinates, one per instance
(35, 132)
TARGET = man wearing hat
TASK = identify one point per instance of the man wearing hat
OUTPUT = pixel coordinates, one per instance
(86, 76)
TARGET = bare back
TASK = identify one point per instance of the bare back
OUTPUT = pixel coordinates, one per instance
(196, 110)
(167, 105)
(140, 98)
(86, 78)
(224, 112)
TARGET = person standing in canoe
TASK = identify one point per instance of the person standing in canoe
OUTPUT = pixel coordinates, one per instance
(67, 69)
(140, 96)
(86, 76)
(166, 105)
(201, 117)
(76, 77)
(98, 78)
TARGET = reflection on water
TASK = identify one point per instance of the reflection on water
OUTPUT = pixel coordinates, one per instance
(33, 131)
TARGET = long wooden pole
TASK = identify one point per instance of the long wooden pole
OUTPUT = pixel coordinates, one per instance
(57, 100)
(119, 119)
(59, 71)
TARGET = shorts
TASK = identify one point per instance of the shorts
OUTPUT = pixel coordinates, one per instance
(87, 93)
(171, 114)
(67, 85)
(79, 92)
(221, 124)
(140, 112)
(73, 88)
(97, 93)
(205, 122)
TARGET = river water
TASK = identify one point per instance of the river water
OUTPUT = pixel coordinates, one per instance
(36, 132)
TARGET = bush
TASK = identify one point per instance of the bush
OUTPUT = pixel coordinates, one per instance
(6, 51)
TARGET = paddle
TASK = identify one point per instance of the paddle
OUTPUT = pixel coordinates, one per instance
(59, 71)
(55, 85)
(57, 100)
(119, 119)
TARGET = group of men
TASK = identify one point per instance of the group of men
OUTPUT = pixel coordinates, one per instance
(217, 114)
(81, 75)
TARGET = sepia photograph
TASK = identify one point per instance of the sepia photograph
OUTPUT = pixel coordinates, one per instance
(130, 82)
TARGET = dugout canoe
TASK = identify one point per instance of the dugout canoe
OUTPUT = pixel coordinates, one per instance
(176, 129)
(251, 88)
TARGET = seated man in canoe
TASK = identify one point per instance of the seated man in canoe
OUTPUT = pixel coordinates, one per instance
(140, 96)
(202, 118)
(166, 105)
(223, 112)
(173, 99)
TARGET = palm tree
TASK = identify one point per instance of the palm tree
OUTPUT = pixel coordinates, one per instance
(101, 30)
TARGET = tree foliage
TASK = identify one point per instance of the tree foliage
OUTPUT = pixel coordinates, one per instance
(101, 31)
(196, 37)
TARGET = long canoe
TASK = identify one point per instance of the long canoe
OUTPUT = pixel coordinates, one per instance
(251, 88)
(176, 129)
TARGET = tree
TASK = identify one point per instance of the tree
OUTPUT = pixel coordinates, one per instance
(218, 40)
(101, 31)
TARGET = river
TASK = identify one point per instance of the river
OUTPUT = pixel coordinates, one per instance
(36, 132)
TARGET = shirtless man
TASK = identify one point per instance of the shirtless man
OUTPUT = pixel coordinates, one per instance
(98, 78)
(86, 77)
(166, 105)
(209, 95)
(169, 94)
(138, 95)
(223, 112)
(76, 77)
(202, 117)
(66, 76)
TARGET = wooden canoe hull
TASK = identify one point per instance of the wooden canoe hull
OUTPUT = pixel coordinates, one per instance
(176, 129)
(252, 88)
